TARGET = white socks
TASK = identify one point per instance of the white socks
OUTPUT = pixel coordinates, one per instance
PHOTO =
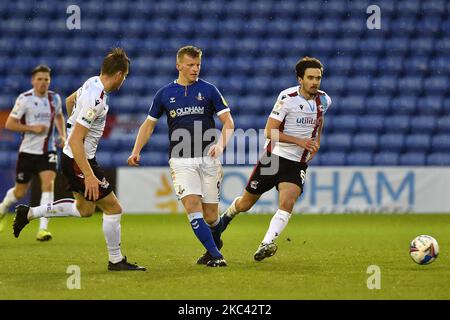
(60, 208)
(277, 224)
(232, 211)
(46, 198)
(9, 198)
(111, 229)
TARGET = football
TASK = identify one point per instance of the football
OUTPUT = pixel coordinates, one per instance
(424, 249)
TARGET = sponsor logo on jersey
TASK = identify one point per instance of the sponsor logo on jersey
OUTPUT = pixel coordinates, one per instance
(187, 111)
(307, 120)
(42, 116)
(172, 100)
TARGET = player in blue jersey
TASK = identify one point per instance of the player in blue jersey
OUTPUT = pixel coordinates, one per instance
(190, 104)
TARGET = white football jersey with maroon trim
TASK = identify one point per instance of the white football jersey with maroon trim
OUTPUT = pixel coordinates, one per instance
(31, 109)
(300, 118)
(90, 111)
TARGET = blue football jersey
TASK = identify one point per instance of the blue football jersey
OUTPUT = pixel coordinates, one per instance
(185, 106)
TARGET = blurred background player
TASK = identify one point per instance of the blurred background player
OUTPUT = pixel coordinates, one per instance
(293, 131)
(190, 104)
(90, 188)
(35, 114)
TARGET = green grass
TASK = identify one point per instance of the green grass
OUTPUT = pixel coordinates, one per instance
(319, 257)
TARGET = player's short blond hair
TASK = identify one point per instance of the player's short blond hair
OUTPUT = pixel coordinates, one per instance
(116, 60)
(305, 63)
(191, 51)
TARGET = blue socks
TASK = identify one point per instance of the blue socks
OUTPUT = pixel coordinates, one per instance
(203, 233)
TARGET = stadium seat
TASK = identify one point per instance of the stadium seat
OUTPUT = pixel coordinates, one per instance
(339, 142)
(404, 105)
(359, 159)
(392, 142)
(365, 142)
(423, 124)
(343, 124)
(412, 159)
(371, 124)
(333, 159)
(438, 159)
(418, 142)
(386, 159)
(398, 124)
(441, 143)
(378, 104)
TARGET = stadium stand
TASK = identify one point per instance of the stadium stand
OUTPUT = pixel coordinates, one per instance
(389, 87)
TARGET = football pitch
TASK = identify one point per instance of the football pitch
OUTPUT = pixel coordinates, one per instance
(319, 257)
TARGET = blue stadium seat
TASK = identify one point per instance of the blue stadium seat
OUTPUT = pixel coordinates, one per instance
(405, 27)
(365, 142)
(430, 105)
(391, 64)
(369, 49)
(371, 124)
(334, 85)
(438, 159)
(366, 65)
(441, 143)
(443, 124)
(412, 159)
(415, 65)
(384, 85)
(410, 85)
(341, 65)
(422, 46)
(359, 159)
(397, 46)
(436, 85)
(436, 7)
(392, 142)
(418, 142)
(386, 159)
(154, 158)
(333, 159)
(378, 105)
(404, 105)
(109, 145)
(360, 85)
(352, 104)
(104, 159)
(424, 124)
(343, 124)
(339, 142)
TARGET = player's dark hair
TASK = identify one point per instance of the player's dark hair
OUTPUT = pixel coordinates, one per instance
(191, 51)
(115, 61)
(41, 68)
(305, 63)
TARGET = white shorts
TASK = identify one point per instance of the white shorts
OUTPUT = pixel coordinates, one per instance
(201, 176)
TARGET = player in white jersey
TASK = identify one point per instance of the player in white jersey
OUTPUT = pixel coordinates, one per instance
(293, 131)
(86, 178)
(35, 114)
